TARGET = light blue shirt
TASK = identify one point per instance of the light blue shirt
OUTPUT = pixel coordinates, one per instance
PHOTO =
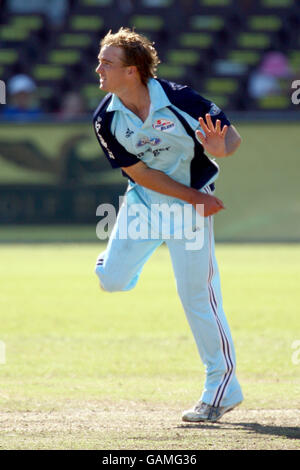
(161, 142)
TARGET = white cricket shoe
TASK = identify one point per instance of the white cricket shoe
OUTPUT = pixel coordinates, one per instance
(204, 412)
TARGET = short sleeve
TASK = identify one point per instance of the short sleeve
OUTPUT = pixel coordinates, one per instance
(116, 154)
(190, 101)
(208, 107)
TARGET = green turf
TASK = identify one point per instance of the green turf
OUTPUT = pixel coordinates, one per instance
(70, 345)
(66, 339)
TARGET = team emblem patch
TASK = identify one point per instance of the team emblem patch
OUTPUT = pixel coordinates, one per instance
(163, 125)
(214, 110)
(146, 140)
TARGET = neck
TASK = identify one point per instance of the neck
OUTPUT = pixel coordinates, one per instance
(137, 99)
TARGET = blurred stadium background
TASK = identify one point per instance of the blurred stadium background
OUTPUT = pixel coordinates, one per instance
(243, 55)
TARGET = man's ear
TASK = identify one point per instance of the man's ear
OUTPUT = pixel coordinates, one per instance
(132, 70)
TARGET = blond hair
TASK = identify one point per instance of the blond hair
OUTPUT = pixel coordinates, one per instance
(137, 50)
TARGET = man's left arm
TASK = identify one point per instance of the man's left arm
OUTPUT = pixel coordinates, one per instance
(232, 141)
(218, 141)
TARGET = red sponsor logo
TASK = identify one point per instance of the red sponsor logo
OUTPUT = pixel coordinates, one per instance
(163, 125)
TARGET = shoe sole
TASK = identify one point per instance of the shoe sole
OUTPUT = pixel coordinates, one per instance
(226, 411)
(202, 420)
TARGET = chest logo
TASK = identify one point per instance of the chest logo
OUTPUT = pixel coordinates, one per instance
(129, 132)
(163, 125)
(146, 140)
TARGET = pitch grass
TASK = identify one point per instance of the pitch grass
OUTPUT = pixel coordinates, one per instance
(87, 369)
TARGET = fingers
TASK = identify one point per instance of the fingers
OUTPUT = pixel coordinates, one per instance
(209, 123)
(213, 210)
(220, 204)
(212, 205)
(204, 126)
(200, 136)
(224, 131)
(216, 206)
(209, 127)
(218, 126)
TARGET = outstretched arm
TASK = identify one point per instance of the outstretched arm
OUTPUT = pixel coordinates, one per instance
(218, 142)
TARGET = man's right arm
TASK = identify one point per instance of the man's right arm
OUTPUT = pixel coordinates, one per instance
(160, 182)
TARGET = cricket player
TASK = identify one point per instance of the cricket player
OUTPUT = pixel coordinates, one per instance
(158, 133)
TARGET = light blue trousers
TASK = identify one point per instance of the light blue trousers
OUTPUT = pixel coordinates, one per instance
(198, 284)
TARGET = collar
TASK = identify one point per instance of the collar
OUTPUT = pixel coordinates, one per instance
(158, 98)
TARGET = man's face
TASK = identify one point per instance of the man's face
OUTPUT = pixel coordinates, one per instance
(111, 70)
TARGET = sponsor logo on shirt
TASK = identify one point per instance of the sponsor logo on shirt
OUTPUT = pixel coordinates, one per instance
(146, 140)
(163, 125)
(97, 124)
(103, 142)
(129, 132)
(155, 152)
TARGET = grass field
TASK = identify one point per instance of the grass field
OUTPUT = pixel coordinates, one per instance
(84, 369)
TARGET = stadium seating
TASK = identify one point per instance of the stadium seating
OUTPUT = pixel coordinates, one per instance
(212, 45)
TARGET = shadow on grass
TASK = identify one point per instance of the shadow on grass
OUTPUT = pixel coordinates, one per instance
(255, 428)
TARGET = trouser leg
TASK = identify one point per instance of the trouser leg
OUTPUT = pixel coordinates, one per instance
(120, 265)
(198, 285)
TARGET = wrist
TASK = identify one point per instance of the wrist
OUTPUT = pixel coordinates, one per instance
(193, 196)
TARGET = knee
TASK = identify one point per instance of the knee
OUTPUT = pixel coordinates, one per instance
(109, 283)
(110, 286)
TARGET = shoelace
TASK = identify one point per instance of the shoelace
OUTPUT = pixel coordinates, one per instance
(201, 407)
